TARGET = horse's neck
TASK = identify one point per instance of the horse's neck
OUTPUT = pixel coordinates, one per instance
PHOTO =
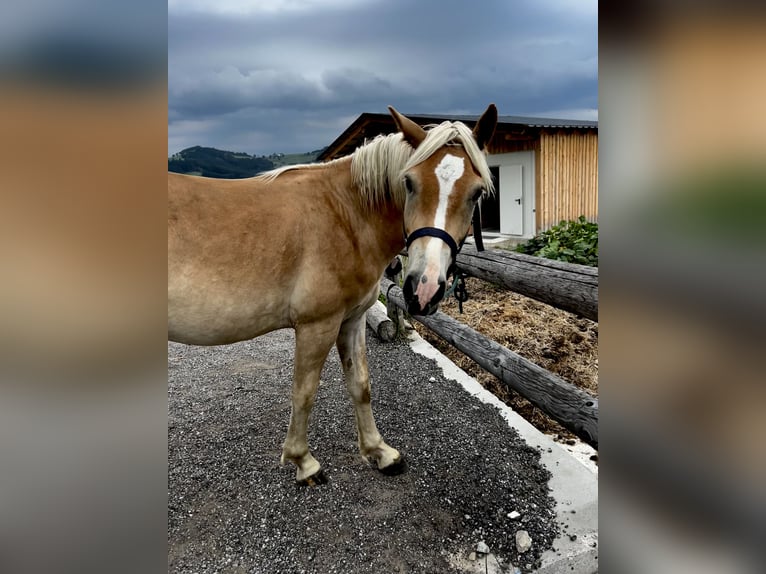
(389, 225)
(383, 219)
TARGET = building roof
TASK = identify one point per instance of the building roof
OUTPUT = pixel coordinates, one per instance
(529, 121)
(369, 125)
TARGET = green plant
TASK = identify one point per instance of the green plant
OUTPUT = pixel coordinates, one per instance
(573, 241)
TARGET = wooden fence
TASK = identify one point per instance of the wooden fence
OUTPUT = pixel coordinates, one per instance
(569, 287)
(566, 286)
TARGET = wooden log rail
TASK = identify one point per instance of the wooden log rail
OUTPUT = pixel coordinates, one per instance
(572, 407)
(570, 287)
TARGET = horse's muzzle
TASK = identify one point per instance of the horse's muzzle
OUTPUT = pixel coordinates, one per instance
(414, 306)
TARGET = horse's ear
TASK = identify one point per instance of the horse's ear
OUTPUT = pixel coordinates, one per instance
(485, 127)
(412, 132)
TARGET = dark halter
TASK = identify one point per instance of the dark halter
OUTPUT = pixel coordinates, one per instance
(434, 232)
(458, 283)
(447, 238)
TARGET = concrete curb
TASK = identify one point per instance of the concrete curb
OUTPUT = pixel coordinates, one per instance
(574, 482)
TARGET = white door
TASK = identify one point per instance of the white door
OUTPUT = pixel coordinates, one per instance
(512, 200)
(515, 192)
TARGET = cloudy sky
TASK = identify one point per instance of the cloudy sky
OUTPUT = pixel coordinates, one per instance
(264, 76)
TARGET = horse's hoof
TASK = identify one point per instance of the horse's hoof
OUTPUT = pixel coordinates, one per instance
(397, 467)
(315, 479)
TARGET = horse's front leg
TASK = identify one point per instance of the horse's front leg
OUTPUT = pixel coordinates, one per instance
(312, 344)
(353, 355)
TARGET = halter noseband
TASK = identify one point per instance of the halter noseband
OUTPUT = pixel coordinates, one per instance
(433, 232)
(447, 238)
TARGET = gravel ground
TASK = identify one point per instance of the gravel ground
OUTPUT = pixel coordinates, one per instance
(233, 509)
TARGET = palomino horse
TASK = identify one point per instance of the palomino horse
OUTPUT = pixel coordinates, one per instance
(305, 247)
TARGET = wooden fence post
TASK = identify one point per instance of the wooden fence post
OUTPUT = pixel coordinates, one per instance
(394, 313)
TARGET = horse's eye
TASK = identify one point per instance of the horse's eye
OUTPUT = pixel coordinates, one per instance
(408, 183)
(477, 195)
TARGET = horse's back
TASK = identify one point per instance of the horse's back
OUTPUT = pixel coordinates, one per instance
(249, 256)
(230, 258)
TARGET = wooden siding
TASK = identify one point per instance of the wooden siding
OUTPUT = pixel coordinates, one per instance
(567, 177)
(505, 145)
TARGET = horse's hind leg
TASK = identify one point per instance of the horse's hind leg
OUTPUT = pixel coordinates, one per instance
(353, 355)
(312, 344)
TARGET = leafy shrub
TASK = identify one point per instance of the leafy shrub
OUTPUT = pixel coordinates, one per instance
(570, 241)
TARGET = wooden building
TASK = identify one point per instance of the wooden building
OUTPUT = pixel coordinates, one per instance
(545, 169)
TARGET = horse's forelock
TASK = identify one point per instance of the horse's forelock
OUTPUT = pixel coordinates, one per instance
(452, 132)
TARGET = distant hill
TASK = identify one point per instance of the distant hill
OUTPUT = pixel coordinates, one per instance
(211, 162)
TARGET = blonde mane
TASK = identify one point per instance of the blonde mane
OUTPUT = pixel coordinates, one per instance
(378, 166)
(271, 175)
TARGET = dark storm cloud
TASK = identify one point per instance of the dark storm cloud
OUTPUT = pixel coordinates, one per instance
(257, 77)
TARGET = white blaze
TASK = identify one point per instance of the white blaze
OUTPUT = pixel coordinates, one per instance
(449, 170)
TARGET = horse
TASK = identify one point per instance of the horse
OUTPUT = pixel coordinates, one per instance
(305, 246)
